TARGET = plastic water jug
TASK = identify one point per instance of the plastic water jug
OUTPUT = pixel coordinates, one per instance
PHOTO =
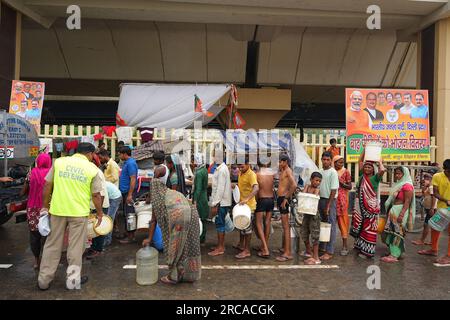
(147, 266)
(440, 220)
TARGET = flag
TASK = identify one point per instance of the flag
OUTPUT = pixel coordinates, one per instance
(198, 107)
(197, 104)
(238, 121)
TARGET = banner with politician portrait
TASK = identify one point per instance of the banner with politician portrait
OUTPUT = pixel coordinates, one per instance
(27, 99)
(397, 118)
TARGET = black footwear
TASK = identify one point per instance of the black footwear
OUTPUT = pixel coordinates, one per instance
(84, 279)
(93, 254)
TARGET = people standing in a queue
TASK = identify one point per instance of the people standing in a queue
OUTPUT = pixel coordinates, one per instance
(428, 204)
(180, 227)
(441, 191)
(112, 169)
(220, 202)
(34, 187)
(401, 209)
(345, 185)
(127, 186)
(115, 199)
(200, 193)
(310, 229)
(176, 180)
(161, 172)
(264, 208)
(286, 188)
(70, 184)
(367, 208)
(248, 188)
(327, 203)
(97, 246)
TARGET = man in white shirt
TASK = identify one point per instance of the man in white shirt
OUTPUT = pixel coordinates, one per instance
(406, 109)
(221, 203)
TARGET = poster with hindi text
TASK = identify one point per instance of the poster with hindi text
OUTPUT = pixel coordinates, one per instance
(398, 118)
(27, 100)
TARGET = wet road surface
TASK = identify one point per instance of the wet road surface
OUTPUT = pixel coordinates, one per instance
(414, 277)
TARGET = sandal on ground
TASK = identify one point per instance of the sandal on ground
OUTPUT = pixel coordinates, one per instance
(344, 252)
(242, 255)
(237, 247)
(444, 261)
(389, 259)
(279, 251)
(264, 256)
(418, 242)
(428, 243)
(305, 254)
(427, 253)
(167, 280)
(215, 253)
(283, 258)
(311, 262)
(326, 257)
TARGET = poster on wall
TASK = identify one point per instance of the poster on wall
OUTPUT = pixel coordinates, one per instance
(27, 100)
(397, 118)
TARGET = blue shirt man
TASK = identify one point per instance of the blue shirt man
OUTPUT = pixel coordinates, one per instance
(129, 170)
(127, 186)
(419, 112)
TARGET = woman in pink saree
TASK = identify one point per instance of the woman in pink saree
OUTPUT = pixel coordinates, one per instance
(34, 188)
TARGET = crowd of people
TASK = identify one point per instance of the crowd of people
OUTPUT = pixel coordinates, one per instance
(92, 182)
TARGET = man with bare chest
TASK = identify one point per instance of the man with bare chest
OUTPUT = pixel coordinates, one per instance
(286, 189)
(264, 208)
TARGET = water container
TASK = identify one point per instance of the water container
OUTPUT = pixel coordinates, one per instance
(440, 220)
(147, 266)
(373, 151)
(325, 232)
(131, 222)
(381, 224)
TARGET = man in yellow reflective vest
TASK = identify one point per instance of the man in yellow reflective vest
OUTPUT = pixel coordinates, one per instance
(70, 184)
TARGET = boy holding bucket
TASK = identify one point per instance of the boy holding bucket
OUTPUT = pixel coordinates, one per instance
(311, 224)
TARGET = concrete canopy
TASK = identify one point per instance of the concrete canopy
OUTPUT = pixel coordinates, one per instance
(305, 45)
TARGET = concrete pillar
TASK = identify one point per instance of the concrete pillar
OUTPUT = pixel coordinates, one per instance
(441, 114)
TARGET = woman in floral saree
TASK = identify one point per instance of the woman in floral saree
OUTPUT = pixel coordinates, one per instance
(179, 223)
(401, 208)
(367, 208)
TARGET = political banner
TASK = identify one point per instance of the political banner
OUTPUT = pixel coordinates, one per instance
(27, 99)
(397, 118)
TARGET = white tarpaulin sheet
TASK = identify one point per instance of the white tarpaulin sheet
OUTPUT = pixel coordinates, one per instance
(169, 106)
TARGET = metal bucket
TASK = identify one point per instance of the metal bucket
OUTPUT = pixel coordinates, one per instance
(131, 222)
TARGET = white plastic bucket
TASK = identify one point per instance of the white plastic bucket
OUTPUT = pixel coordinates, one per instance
(307, 203)
(440, 220)
(140, 206)
(325, 232)
(242, 216)
(105, 226)
(143, 219)
(373, 151)
(90, 227)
